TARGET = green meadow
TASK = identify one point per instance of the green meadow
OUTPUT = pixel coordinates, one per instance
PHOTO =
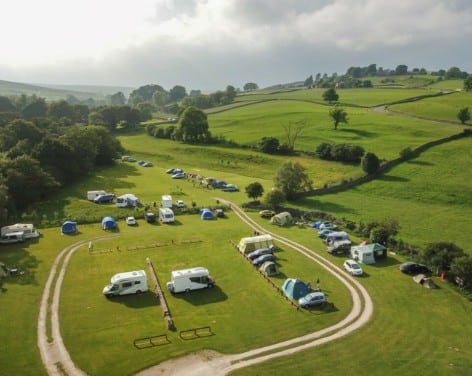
(413, 330)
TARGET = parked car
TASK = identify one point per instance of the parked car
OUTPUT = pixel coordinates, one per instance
(218, 184)
(267, 213)
(324, 233)
(130, 221)
(259, 252)
(411, 267)
(325, 225)
(261, 259)
(174, 170)
(352, 267)
(147, 164)
(312, 299)
(150, 217)
(230, 188)
(178, 175)
(180, 204)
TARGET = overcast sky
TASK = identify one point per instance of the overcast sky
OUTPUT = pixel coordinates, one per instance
(209, 44)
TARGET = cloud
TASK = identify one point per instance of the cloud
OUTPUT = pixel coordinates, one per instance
(208, 44)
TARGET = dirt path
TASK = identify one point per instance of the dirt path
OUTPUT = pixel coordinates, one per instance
(57, 360)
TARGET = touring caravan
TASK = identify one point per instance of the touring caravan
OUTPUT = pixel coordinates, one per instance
(127, 200)
(125, 283)
(190, 279)
(28, 230)
(250, 244)
(92, 194)
(166, 201)
(166, 215)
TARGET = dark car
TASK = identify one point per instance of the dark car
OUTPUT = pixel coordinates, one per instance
(150, 217)
(259, 252)
(411, 267)
(261, 259)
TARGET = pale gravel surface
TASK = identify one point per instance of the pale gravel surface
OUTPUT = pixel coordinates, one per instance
(204, 362)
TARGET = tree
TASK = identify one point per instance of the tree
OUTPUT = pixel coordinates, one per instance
(61, 109)
(308, 82)
(468, 83)
(231, 92)
(117, 99)
(401, 70)
(464, 115)
(291, 179)
(250, 86)
(370, 163)
(269, 145)
(274, 198)
(338, 115)
(323, 150)
(383, 231)
(194, 125)
(6, 105)
(292, 131)
(254, 190)
(462, 267)
(330, 95)
(177, 93)
(439, 256)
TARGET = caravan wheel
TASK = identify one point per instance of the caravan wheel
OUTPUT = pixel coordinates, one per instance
(138, 292)
(187, 290)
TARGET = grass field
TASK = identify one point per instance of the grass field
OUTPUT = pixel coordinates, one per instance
(413, 331)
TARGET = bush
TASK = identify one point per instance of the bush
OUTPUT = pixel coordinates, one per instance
(406, 153)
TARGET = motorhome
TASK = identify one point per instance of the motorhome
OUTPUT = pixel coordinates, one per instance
(166, 215)
(92, 194)
(186, 280)
(28, 230)
(166, 201)
(125, 283)
(12, 237)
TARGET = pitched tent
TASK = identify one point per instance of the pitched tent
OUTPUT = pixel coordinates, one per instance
(424, 281)
(69, 227)
(295, 288)
(282, 219)
(206, 214)
(269, 268)
(363, 253)
(108, 223)
(249, 244)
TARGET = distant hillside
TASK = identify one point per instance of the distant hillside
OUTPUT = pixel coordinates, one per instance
(58, 92)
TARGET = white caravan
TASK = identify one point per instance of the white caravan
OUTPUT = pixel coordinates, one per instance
(166, 201)
(134, 282)
(92, 194)
(166, 215)
(190, 279)
(28, 230)
(127, 200)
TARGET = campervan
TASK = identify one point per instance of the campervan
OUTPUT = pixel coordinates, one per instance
(134, 282)
(92, 194)
(166, 201)
(28, 230)
(190, 279)
(12, 237)
(166, 215)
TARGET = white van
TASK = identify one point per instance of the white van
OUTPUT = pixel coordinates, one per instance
(166, 215)
(190, 279)
(125, 283)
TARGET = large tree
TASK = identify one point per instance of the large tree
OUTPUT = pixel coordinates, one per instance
(330, 95)
(292, 131)
(254, 190)
(370, 163)
(193, 126)
(250, 86)
(464, 115)
(468, 83)
(338, 115)
(440, 255)
(292, 180)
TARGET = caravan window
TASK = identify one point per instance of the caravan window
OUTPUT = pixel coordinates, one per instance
(137, 282)
(199, 279)
(127, 284)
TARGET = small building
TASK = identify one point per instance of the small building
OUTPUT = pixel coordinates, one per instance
(282, 219)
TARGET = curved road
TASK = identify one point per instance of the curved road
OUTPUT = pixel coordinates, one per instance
(57, 360)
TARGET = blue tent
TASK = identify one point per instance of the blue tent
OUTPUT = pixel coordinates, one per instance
(295, 289)
(69, 227)
(108, 223)
(206, 214)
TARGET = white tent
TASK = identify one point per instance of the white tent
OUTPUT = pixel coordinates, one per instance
(282, 219)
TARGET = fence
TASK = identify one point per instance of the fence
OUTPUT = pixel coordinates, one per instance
(146, 342)
(204, 331)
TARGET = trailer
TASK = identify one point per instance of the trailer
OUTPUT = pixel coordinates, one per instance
(166, 201)
(166, 215)
(126, 283)
(186, 280)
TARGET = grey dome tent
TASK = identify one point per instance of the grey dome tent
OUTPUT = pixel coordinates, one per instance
(269, 268)
(108, 223)
(69, 227)
(295, 288)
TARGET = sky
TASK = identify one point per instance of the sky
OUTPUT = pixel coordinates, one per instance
(210, 44)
